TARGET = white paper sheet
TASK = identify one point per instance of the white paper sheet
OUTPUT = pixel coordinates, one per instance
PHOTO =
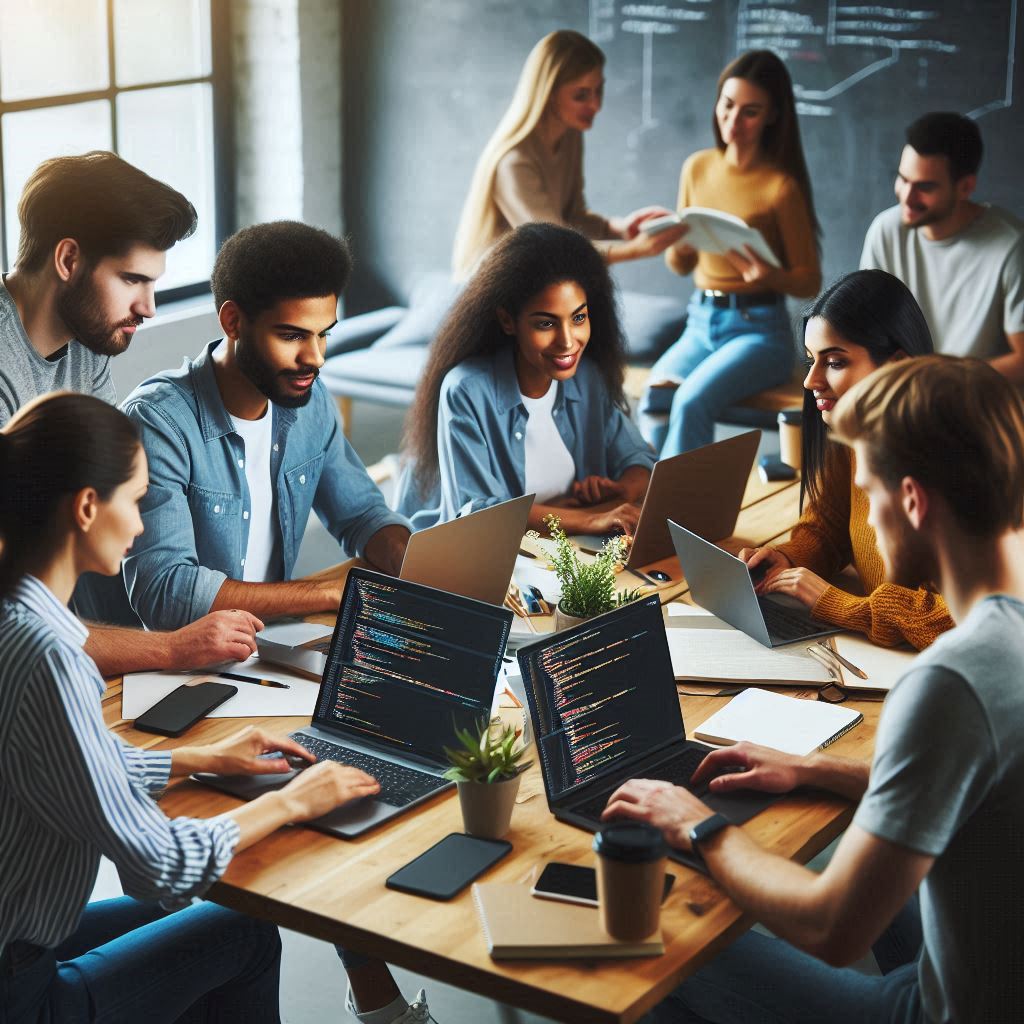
(680, 609)
(883, 665)
(143, 689)
(702, 649)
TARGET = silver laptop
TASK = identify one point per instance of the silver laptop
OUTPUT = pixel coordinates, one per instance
(702, 488)
(472, 556)
(722, 584)
(407, 665)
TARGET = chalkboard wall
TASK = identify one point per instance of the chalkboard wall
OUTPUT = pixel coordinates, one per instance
(425, 82)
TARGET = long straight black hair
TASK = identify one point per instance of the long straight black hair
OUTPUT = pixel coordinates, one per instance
(872, 309)
(54, 447)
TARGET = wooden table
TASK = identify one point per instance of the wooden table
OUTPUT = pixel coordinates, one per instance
(334, 889)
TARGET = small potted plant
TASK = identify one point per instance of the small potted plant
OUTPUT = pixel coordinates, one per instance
(588, 588)
(486, 766)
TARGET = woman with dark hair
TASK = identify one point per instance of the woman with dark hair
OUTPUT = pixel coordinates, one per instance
(737, 339)
(522, 393)
(532, 166)
(71, 791)
(864, 320)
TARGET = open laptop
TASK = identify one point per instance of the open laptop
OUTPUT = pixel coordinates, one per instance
(602, 698)
(473, 556)
(702, 488)
(722, 584)
(407, 665)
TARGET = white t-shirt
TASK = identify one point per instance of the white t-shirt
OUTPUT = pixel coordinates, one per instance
(263, 552)
(550, 470)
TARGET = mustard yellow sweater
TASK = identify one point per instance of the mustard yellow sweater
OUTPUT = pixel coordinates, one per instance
(834, 532)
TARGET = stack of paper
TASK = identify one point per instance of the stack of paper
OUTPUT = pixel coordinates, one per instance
(704, 648)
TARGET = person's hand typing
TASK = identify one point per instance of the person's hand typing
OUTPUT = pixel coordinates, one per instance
(228, 635)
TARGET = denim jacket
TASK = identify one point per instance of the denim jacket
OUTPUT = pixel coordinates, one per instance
(196, 511)
(481, 437)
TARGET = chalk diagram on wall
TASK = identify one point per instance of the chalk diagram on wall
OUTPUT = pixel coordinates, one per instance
(812, 36)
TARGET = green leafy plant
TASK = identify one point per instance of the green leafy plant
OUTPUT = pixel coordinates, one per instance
(588, 588)
(489, 754)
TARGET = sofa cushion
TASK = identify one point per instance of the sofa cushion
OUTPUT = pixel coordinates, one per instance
(651, 323)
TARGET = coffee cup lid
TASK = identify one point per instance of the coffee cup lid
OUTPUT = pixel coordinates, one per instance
(791, 417)
(630, 841)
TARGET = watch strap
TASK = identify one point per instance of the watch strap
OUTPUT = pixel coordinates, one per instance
(707, 828)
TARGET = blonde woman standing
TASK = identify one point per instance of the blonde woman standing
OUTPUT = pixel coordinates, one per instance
(532, 167)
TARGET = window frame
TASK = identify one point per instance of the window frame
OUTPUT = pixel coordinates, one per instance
(221, 84)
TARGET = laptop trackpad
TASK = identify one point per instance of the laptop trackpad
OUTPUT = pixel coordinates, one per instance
(740, 805)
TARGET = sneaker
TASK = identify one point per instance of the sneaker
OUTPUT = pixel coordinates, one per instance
(417, 1012)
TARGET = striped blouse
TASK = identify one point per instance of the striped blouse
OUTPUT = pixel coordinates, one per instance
(70, 790)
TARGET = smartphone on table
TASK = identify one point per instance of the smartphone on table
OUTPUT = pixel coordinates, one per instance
(573, 883)
(449, 866)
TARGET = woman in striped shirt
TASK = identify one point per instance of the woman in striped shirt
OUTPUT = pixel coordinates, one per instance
(73, 472)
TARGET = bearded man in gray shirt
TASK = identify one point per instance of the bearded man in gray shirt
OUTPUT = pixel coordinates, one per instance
(94, 236)
(941, 812)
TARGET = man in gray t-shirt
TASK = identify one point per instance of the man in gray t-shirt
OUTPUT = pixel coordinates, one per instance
(942, 808)
(94, 234)
(963, 261)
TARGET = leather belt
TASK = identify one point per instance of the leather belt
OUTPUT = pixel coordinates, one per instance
(739, 300)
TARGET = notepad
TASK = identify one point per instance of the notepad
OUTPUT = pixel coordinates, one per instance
(785, 723)
(706, 649)
(518, 926)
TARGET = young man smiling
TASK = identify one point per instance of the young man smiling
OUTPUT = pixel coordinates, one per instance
(243, 441)
(964, 261)
(94, 235)
(938, 449)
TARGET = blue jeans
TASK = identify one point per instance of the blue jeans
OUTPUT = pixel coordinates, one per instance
(131, 961)
(762, 980)
(724, 356)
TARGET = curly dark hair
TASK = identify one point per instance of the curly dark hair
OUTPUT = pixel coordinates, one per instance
(872, 309)
(259, 266)
(519, 266)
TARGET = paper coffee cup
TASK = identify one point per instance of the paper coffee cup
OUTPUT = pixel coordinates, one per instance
(790, 436)
(630, 879)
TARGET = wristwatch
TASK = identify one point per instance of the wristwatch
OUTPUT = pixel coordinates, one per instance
(707, 828)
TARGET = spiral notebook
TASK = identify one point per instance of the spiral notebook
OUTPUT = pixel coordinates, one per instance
(789, 724)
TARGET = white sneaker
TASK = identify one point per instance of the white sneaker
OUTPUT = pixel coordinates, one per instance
(417, 1012)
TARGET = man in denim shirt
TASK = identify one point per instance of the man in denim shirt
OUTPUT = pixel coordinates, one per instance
(242, 442)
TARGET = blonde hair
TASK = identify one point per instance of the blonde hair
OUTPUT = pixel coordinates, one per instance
(954, 425)
(560, 57)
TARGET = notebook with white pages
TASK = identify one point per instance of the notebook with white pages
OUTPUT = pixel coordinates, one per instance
(706, 649)
(789, 724)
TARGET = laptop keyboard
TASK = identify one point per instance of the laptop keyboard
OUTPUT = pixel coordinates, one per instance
(399, 785)
(785, 624)
(678, 771)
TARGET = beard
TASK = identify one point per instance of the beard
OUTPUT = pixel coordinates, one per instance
(268, 381)
(77, 307)
(909, 561)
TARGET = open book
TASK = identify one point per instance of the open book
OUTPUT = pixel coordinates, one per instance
(714, 231)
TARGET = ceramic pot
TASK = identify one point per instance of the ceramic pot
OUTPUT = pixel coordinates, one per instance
(563, 620)
(487, 806)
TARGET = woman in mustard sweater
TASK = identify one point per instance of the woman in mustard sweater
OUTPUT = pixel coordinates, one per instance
(737, 339)
(865, 319)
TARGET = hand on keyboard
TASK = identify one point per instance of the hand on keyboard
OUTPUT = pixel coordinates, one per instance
(322, 787)
(749, 766)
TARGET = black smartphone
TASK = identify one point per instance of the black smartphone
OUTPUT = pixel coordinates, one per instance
(574, 884)
(183, 707)
(449, 866)
(771, 469)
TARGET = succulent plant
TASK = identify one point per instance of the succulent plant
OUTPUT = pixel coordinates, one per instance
(488, 754)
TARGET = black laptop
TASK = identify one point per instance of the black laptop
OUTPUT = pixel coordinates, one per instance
(406, 665)
(604, 706)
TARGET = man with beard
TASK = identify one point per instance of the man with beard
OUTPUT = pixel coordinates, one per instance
(243, 441)
(94, 236)
(964, 261)
(938, 450)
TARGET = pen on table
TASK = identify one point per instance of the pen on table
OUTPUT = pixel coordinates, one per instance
(822, 655)
(253, 679)
(526, 554)
(858, 672)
